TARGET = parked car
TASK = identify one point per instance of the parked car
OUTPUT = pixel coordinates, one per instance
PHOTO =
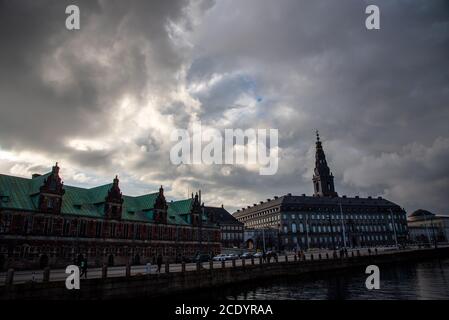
(202, 258)
(257, 255)
(220, 257)
(246, 255)
(231, 256)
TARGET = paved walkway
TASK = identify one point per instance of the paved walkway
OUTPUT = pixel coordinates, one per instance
(120, 271)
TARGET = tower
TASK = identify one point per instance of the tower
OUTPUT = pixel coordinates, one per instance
(323, 180)
(160, 207)
(196, 211)
(114, 201)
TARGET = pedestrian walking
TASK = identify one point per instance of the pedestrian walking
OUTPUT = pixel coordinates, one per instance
(84, 268)
(159, 263)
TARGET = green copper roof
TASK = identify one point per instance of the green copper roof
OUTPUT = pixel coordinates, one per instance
(15, 193)
(178, 211)
(23, 194)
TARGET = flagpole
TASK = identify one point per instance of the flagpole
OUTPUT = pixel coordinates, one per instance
(343, 225)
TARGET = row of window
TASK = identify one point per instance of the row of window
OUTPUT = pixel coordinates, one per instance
(327, 228)
(313, 216)
(271, 220)
(333, 240)
(26, 251)
(258, 214)
(44, 225)
(231, 236)
(274, 220)
(236, 228)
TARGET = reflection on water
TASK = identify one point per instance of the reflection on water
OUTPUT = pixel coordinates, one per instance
(423, 280)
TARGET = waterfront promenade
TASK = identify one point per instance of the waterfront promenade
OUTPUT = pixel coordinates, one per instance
(120, 271)
(123, 282)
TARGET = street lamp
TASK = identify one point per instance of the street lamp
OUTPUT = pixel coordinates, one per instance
(332, 233)
(427, 230)
(433, 232)
(394, 228)
(343, 226)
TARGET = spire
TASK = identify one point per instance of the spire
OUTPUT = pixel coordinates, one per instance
(323, 180)
(114, 194)
(160, 202)
(55, 169)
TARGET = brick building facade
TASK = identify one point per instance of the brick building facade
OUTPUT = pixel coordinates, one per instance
(44, 222)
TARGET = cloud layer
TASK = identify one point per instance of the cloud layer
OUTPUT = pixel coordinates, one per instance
(103, 100)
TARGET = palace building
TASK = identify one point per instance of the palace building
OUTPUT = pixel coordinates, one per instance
(326, 220)
(46, 223)
(426, 227)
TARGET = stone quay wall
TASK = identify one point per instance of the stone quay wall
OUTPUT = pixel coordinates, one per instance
(174, 283)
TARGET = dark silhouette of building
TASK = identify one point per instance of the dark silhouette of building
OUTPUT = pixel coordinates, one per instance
(231, 228)
(326, 220)
(44, 222)
(426, 227)
(323, 179)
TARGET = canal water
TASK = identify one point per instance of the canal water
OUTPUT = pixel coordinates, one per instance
(406, 281)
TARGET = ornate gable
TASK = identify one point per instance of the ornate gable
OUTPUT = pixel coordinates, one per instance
(51, 192)
(114, 202)
(196, 210)
(160, 207)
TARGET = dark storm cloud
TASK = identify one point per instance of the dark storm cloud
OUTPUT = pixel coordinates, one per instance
(57, 83)
(369, 92)
(379, 98)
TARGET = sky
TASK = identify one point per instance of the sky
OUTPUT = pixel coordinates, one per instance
(103, 100)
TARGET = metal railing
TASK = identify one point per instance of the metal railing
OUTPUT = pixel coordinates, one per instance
(46, 275)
